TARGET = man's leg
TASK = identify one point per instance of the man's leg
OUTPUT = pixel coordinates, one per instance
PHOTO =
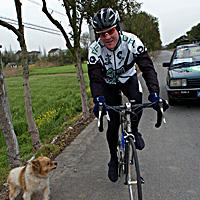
(112, 133)
(113, 97)
(112, 138)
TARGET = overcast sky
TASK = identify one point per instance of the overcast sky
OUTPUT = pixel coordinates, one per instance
(175, 17)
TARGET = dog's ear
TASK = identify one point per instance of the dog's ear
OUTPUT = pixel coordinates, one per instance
(36, 165)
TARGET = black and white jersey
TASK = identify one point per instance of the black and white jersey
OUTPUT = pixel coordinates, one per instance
(118, 65)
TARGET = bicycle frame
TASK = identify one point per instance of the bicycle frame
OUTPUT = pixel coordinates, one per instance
(126, 131)
(125, 122)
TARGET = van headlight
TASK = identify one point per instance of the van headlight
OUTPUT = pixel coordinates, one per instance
(178, 82)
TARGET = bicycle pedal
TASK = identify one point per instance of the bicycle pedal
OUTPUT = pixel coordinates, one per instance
(142, 180)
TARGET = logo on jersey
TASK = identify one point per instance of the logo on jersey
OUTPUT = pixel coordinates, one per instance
(95, 49)
(92, 60)
(120, 57)
(140, 49)
(111, 76)
(108, 59)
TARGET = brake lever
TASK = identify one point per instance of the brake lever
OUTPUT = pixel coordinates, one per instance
(162, 111)
(160, 114)
(100, 117)
(107, 115)
(100, 113)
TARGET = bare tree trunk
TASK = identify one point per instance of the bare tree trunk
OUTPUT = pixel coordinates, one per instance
(80, 76)
(32, 128)
(6, 125)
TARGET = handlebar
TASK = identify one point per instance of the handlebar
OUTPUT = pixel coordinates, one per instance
(100, 119)
(135, 108)
(160, 114)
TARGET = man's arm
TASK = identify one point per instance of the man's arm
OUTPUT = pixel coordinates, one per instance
(149, 74)
(96, 79)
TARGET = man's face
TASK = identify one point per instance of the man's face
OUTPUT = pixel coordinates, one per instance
(109, 37)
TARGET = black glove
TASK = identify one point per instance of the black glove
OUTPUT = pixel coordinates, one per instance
(154, 98)
(99, 100)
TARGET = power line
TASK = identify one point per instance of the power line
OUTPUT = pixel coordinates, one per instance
(32, 26)
(36, 29)
(38, 4)
(29, 24)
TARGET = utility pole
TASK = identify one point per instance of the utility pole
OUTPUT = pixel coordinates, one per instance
(1, 58)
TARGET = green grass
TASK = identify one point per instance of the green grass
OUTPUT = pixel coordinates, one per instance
(55, 100)
(55, 70)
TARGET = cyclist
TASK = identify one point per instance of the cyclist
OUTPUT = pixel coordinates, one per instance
(111, 69)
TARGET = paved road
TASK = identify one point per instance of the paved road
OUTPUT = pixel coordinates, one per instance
(170, 162)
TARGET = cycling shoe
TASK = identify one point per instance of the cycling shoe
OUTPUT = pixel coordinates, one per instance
(113, 170)
(139, 141)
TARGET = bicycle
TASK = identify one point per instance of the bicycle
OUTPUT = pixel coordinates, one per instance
(128, 163)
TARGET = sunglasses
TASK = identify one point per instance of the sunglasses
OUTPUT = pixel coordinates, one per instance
(109, 32)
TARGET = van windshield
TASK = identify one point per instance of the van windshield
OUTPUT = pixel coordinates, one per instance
(187, 54)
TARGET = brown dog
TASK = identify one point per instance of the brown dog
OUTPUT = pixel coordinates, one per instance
(31, 178)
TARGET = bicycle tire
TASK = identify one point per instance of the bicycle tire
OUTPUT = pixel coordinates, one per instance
(132, 170)
(120, 155)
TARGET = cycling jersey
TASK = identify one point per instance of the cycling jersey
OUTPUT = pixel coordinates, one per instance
(118, 65)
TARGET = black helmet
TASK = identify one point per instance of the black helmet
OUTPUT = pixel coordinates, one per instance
(105, 18)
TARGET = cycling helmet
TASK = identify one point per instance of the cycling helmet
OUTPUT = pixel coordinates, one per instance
(105, 18)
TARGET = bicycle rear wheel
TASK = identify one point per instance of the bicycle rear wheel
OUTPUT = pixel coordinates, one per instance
(133, 179)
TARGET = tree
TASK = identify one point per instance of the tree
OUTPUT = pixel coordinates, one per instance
(32, 128)
(123, 7)
(6, 123)
(8, 56)
(75, 11)
(146, 27)
(85, 40)
(179, 41)
(194, 33)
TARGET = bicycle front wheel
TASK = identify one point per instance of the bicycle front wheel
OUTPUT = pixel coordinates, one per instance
(133, 179)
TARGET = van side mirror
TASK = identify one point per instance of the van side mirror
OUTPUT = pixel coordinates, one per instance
(166, 64)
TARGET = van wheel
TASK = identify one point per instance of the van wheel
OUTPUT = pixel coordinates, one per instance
(172, 102)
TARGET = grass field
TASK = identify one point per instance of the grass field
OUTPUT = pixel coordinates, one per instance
(56, 102)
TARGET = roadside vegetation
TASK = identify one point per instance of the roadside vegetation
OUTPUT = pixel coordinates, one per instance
(191, 36)
(56, 105)
(149, 32)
